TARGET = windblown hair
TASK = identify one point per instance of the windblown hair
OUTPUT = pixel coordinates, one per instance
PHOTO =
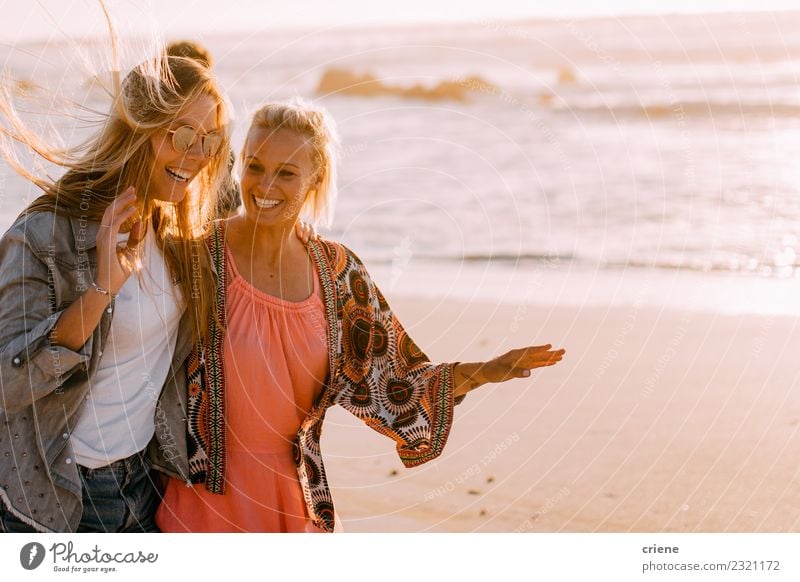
(145, 103)
(316, 124)
(191, 50)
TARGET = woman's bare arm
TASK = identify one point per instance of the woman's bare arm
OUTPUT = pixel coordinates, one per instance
(514, 364)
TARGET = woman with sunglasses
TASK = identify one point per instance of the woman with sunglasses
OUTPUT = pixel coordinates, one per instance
(97, 278)
(229, 203)
(297, 329)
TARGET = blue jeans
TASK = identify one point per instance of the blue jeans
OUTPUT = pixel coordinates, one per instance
(120, 497)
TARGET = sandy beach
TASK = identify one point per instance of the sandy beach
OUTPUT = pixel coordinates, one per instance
(656, 421)
(623, 188)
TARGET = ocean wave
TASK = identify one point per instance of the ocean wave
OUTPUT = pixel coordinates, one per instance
(697, 265)
(563, 260)
(516, 257)
(474, 258)
(679, 110)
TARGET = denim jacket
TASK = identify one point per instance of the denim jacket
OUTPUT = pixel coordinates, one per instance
(46, 262)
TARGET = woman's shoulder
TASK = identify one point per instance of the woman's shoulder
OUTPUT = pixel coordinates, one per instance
(341, 257)
(40, 227)
(39, 236)
(351, 273)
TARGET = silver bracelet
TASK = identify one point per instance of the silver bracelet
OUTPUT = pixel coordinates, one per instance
(100, 289)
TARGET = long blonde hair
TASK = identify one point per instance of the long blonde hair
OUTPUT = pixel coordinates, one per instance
(120, 155)
(316, 124)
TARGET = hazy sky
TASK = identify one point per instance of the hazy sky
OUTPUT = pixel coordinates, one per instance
(48, 19)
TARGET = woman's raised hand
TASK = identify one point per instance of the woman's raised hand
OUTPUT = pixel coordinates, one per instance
(514, 364)
(115, 261)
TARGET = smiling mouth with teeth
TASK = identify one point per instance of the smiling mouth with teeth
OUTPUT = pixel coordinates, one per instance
(179, 175)
(266, 202)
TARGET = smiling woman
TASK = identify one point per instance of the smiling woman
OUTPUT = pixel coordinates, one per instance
(180, 154)
(278, 175)
(103, 289)
(299, 328)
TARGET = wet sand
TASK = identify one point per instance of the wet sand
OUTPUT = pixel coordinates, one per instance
(655, 421)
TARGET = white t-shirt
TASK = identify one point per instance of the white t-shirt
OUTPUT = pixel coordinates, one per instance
(117, 419)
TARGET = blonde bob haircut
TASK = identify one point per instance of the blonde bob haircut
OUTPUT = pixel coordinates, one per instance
(317, 125)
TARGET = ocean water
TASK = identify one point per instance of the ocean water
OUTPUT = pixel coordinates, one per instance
(652, 143)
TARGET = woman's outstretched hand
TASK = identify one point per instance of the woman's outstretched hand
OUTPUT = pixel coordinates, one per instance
(514, 364)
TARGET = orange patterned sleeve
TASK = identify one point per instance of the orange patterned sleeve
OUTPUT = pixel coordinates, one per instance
(384, 378)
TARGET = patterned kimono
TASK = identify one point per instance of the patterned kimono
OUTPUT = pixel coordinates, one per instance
(377, 373)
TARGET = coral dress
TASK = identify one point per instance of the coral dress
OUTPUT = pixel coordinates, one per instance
(276, 361)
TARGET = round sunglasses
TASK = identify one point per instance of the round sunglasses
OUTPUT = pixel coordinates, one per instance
(184, 138)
